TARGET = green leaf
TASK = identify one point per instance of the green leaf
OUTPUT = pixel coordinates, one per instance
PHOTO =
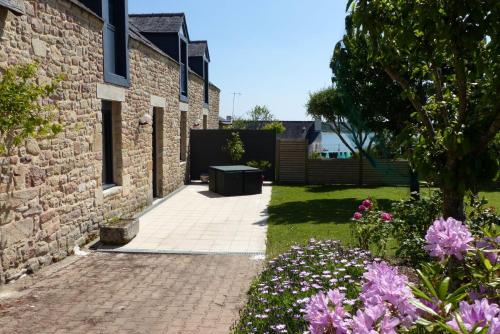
(421, 306)
(443, 288)
(419, 293)
(427, 283)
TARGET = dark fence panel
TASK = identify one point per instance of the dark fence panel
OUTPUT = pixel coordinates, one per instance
(207, 149)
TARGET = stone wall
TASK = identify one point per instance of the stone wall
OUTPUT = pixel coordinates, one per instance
(51, 195)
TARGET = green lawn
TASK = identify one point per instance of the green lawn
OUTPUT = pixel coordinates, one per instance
(298, 213)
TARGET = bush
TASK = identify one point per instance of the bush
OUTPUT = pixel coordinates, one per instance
(235, 147)
(371, 226)
(260, 164)
(278, 298)
(412, 218)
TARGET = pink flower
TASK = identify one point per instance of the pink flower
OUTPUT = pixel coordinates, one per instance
(481, 313)
(489, 247)
(447, 237)
(387, 217)
(362, 208)
(383, 284)
(357, 215)
(325, 312)
(367, 203)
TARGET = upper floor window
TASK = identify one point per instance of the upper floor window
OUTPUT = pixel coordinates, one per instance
(183, 69)
(115, 38)
(115, 16)
(205, 81)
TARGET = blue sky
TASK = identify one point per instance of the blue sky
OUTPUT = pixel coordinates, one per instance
(273, 52)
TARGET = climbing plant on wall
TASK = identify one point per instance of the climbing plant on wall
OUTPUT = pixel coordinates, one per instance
(25, 110)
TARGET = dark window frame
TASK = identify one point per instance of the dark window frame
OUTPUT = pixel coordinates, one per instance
(206, 83)
(108, 161)
(183, 68)
(115, 42)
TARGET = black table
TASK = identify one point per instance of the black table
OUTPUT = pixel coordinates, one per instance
(235, 180)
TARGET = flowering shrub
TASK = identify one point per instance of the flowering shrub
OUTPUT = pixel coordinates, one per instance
(371, 226)
(278, 299)
(448, 237)
(384, 304)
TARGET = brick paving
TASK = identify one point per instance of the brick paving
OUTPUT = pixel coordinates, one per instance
(130, 293)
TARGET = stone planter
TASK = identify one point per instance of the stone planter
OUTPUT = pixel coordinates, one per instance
(120, 232)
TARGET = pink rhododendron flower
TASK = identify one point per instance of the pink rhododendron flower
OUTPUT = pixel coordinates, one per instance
(387, 217)
(489, 245)
(357, 215)
(481, 313)
(385, 285)
(367, 203)
(447, 237)
(326, 314)
(362, 208)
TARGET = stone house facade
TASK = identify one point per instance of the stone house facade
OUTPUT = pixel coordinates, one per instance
(55, 192)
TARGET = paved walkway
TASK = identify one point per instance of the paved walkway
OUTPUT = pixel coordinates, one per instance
(197, 221)
(121, 292)
(129, 293)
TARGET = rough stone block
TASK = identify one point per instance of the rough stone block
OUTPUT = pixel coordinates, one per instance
(120, 232)
(15, 232)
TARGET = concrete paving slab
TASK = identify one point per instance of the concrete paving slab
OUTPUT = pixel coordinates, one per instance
(197, 221)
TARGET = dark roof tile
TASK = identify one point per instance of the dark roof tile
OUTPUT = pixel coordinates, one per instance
(158, 23)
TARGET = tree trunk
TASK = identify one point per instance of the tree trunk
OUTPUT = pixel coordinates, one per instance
(453, 203)
(360, 178)
(414, 184)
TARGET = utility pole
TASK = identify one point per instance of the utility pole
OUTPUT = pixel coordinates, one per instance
(234, 98)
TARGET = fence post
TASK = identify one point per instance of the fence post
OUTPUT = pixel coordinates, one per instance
(306, 165)
(277, 165)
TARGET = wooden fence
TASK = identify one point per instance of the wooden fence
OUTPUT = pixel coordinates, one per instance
(293, 166)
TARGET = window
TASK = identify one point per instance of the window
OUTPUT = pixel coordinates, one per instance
(206, 82)
(183, 69)
(107, 145)
(115, 15)
(183, 135)
(111, 144)
(205, 122)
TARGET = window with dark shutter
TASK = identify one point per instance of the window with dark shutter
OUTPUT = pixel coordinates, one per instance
(206, 82)
(183, 69)
(115, 15)
(107, 145)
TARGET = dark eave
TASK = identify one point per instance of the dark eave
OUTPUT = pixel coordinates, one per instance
(15, 6)
(160, 23)
(199, 49)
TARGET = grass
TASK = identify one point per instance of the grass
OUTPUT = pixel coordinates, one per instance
(298, 213)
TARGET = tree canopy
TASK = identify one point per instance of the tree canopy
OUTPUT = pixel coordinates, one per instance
(445, 57)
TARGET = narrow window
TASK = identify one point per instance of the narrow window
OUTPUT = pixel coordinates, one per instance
(107, 145)
(206, 82)
(205, 122)
(183, 133)
(184, 69)
(111, 144)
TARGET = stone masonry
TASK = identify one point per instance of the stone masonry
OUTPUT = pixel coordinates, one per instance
(51, 196)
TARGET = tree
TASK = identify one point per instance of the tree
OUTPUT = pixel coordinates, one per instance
(276, 126)
(235, 147)
(258, 115)
(259, 118)
(335, 107)
(22, 111)
(445, 57)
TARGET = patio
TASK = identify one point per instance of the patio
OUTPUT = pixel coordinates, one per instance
(197, 221)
